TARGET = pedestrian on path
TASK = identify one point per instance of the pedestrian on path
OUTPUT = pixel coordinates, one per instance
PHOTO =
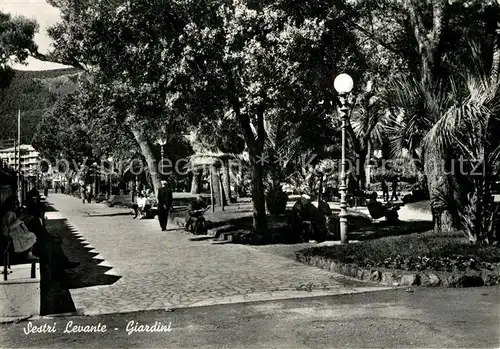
(385, 191)
(394, 189)
(89, 193)
(83, 193)
(164, 204)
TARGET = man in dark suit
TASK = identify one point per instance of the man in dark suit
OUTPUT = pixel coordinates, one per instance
(164, 204)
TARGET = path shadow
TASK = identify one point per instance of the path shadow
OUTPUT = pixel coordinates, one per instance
(46, 206)
(241, 222)
(89, 273)
(360, 228)
(383, 229)
(201, 238)
(49, 208)
(54, 287)
(110, 214)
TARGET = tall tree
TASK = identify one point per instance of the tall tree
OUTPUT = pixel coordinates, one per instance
(438, 33)
(127, 47)
(253, 60)
(16, 43)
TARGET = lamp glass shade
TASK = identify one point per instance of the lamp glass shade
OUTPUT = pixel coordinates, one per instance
(343, 84)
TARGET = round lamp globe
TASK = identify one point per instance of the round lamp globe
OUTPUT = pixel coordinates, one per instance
(343, 84)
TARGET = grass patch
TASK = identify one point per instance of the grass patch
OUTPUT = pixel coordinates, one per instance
(422, 251)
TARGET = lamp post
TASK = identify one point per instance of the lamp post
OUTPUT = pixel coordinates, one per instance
(95, 180)
(161, 142)
(111, 169)
(343, 85)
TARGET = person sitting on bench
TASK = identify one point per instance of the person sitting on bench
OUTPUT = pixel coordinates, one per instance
(378, 210)
(43, 242)
(16, 230)
(196, 209)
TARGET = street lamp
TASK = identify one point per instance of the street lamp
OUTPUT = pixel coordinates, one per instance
(111, 169)
(161, 141)
(343, 84)
(95, 180)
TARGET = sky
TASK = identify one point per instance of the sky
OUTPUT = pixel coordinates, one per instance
(45, 15)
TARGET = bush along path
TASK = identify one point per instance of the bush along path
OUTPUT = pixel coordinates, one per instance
(412, 260)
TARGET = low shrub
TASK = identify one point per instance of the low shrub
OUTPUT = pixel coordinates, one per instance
(416, 252)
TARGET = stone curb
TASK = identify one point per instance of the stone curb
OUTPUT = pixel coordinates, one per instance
(398, 277)
(14, 319)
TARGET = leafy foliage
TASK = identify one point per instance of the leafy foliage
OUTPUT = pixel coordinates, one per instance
(33, 93)
(16, 39)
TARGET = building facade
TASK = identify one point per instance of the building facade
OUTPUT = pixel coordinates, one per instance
(29, 158)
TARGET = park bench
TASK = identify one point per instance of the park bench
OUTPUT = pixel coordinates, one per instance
(8, 252)
(377, 212)
(356, 199)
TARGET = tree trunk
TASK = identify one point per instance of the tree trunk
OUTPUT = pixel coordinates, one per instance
(428, 40)
(258, 196)
(143, 141)
(362, 170)
(440, 190)
(368, 172)
(226, 181)
(320, 190)
(495, 65)
(255, 144)
(492, 34)
(196, 181)
(215, 180)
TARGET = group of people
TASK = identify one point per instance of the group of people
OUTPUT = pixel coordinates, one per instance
(25, 228)
(165, 202)
(60, 187)
(141, 206)
(86, 193)
(385, 190)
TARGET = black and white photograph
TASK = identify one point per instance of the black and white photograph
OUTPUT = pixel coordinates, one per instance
(283, 174)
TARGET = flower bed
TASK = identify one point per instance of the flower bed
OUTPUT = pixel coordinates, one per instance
(417, 259)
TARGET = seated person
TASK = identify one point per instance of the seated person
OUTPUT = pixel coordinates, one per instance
(150, 200)
(138, 199)
(305, 214)
(44, 243)
(34, 205)
(196, 209)
(378, 210)
(141, 203)
(16, 230)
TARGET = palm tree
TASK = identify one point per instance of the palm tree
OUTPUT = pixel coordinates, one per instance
(450, 129)
(369, 123)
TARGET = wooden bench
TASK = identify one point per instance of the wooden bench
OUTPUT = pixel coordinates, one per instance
(377, 215)
(7, 261)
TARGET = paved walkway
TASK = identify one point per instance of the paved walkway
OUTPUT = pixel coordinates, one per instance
(168, 270)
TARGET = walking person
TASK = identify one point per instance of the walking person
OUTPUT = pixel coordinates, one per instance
(83, 193)
(164, 204)
(385, 191)
(394, 189)
(89, 193)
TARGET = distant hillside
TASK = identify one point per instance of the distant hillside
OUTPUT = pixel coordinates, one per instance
(32, 92)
